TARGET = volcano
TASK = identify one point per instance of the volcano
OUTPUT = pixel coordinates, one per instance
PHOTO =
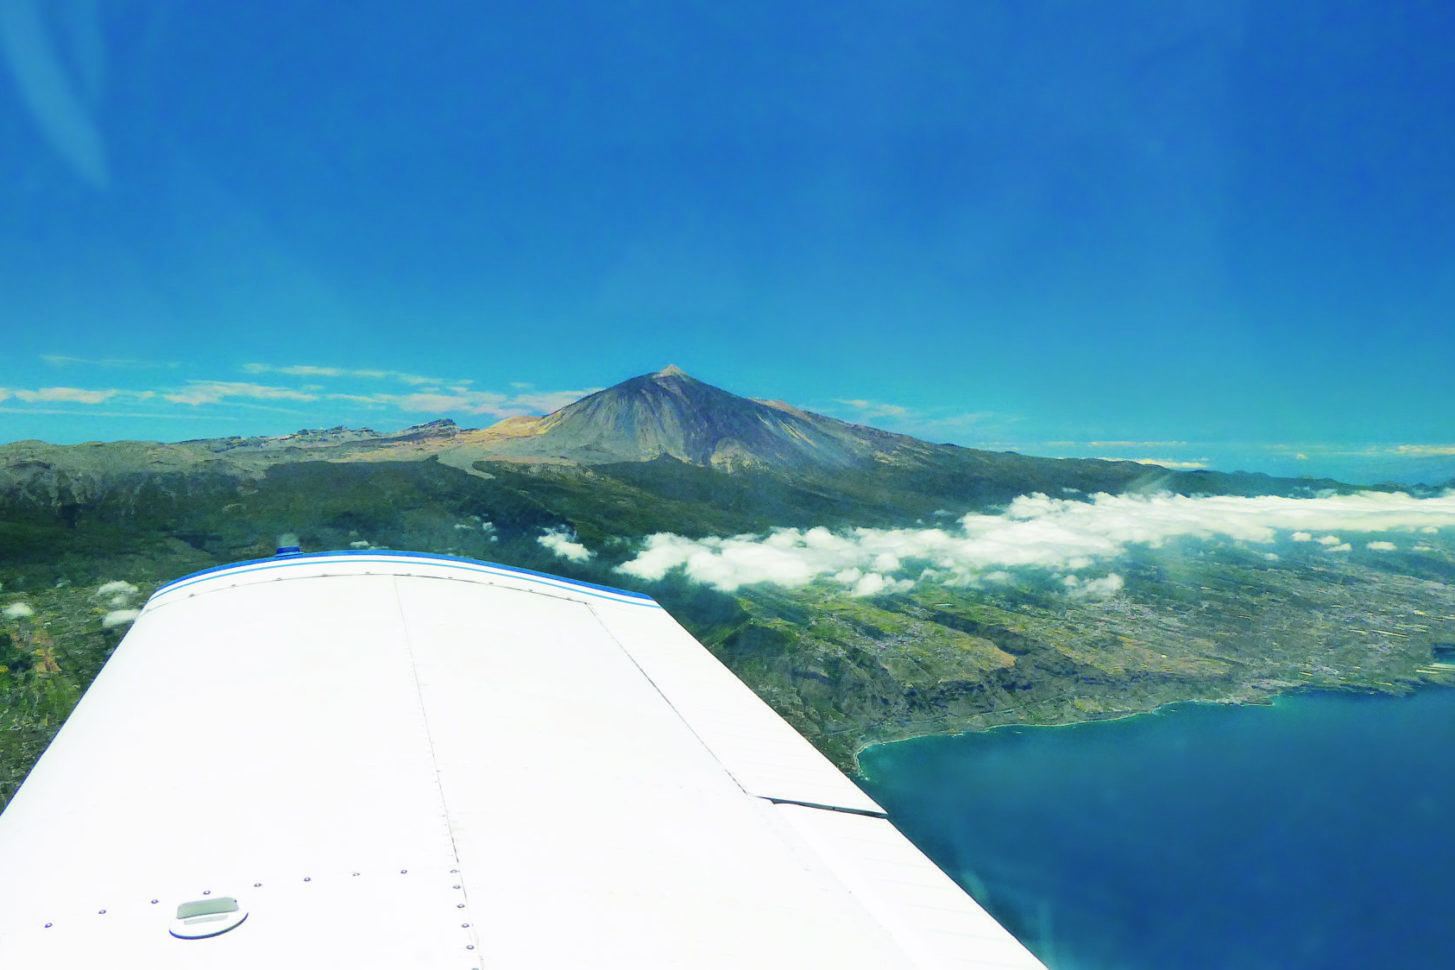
(670, 414)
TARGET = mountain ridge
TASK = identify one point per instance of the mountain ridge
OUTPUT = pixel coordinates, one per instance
(628, 431)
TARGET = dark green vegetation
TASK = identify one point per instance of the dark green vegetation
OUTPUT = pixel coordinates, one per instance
(1195, 620)
(46, 662)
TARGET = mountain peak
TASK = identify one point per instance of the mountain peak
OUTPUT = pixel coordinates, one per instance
(670, 414)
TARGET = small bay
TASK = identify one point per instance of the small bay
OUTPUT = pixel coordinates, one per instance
(1315, 832)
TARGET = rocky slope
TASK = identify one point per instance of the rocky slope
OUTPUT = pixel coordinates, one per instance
(670, 414)
(664, 433)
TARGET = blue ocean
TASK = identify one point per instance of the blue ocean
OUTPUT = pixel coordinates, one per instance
(1315, 833)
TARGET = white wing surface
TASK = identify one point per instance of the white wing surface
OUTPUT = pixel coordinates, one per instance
(399, 760)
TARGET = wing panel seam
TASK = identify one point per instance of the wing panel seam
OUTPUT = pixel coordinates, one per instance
(631, 658)
(424, 720)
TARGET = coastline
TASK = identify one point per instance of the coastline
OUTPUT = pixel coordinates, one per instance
(1214, 838)
(1252, 696)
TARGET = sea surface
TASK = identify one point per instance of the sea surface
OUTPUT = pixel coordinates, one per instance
(1318, 832)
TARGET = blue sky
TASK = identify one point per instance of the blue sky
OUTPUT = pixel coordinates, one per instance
(1206, 232)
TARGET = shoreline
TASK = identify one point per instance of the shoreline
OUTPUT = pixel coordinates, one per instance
(1252, 698)
(1322, 799)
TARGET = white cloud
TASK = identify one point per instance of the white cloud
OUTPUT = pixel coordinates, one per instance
(953, 421)
(564, 544)
(103, 414)
(215, 392)
(548, 401)
(1164, 462)
(872, 584)
(64, 360)
(355, 387)
(462, 399)
(1341, 547)
(315, 370)
(877, 409)
(1058, 535)
(1424, 450)
(470, 402)
(1380, 545)
(118, 593)
(15, 611)
(1302, 537)
(119, 618)
(306, 370)
(368, 400)
(1133, 444)
(1102, 588)
(74, 395)
(931, 423)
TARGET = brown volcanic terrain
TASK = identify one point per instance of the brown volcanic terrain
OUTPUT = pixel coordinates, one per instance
(665, 415)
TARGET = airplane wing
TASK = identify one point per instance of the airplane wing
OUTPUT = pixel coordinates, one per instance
(402, 760)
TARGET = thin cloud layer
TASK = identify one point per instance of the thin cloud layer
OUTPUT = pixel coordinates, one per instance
(214, 392)
(315, 370)
(544, 402)
(1423, 451)
(877, 409)
(922, 423)
(1132, 444)
(313, 392)
(428, 395)
(1062, 537)
(111, 363)
(1164, 462)
(455, 399)
(73, 395)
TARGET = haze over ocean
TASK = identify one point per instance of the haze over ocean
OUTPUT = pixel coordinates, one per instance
(1205, 234)
(1313, 833)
